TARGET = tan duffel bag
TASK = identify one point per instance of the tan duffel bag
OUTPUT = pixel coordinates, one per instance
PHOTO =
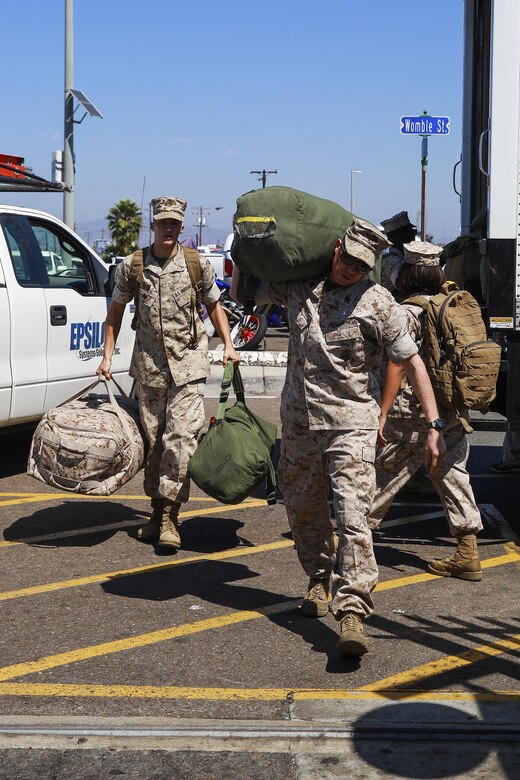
(90, 444)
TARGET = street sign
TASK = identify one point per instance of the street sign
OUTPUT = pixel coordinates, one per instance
(425, 125)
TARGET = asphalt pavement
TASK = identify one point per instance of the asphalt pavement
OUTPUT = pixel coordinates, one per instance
(118, 660)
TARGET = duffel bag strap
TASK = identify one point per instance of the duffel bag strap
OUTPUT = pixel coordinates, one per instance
(238, 385)
(225, 387)
(85, 390)
(122, 419)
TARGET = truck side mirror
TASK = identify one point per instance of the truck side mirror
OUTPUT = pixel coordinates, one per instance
(111, 281)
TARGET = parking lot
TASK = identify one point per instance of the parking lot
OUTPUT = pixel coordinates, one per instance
(106, 638)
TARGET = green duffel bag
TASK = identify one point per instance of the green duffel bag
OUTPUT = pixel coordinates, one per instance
(234, 456)
(282, 234)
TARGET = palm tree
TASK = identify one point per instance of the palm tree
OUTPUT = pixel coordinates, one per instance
(124, 223)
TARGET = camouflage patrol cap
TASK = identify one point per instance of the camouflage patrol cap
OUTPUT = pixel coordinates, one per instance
(168, 208)
(422, 253)
(396, 222)
(364, 241)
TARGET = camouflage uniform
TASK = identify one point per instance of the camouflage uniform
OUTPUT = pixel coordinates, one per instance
(406, 434)
(330, 414)
(170, 373)
(391, 263)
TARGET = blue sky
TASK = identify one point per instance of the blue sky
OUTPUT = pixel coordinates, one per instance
(195, 95)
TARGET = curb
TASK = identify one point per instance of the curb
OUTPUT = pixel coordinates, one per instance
(260, 358)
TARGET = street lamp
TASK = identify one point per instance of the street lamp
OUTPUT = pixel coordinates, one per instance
(352, 172)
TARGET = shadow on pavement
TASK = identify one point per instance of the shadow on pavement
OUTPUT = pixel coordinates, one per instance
(70, 516)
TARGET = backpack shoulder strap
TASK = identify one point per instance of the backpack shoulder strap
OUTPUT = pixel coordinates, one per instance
(136, 279)
(136, 269)
(417, 300)
(193, 265)
(192, 258)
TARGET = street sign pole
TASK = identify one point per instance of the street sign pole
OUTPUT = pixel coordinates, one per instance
(424, 163)
(424, 126)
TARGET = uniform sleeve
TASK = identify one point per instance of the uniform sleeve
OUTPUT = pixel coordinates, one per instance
(397, 340)
(210, 291)
(414, 320)
(123, 292)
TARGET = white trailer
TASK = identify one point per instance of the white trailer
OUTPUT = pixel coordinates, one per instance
(490, 168)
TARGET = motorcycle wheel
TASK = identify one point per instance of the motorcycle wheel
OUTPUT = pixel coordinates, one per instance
(249, 332)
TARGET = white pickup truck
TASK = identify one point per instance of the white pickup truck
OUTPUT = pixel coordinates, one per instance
(53, 304)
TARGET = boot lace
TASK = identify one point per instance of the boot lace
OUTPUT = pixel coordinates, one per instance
(317, 592)
(350, 622)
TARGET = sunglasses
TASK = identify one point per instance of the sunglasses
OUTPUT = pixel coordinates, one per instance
(360, 267)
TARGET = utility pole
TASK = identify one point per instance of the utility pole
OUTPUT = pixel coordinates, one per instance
(263, 175)
(200, 212)
(68, 150)
(68, 134)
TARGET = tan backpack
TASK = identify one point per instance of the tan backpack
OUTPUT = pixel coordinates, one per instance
(462, 362)
(194, 269)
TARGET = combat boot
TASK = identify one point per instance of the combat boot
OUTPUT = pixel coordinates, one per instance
(464, 564)
(352, 641)
(150, 531)
(316, 602)
(169, 531)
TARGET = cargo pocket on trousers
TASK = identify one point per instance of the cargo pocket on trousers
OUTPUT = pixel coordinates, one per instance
(392, 456)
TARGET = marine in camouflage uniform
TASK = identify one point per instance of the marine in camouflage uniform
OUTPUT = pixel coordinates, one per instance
(340, 328)
(405, 431)
(169, 362)
(399, 231)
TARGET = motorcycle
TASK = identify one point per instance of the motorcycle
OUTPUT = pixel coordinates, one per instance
(247, 330)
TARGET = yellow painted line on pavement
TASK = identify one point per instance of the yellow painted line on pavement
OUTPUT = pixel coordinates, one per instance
(488, 563)
(108, 576)
(443, 665)
(60, 690)
(26, 498)
(133, 642)
(400, 582)
(251, 503)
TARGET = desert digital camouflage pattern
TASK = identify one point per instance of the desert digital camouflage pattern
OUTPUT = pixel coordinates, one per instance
(364, 241)
(406, 433)
(168, 208)
(161, 351)
(83, 447)
(308, 457)
(404, 454)
(330, 415)
(391, 263)
(172, 418)
(337, 340)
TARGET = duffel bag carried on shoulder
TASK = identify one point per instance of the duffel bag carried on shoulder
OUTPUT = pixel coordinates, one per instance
(234, 456)
(90, 444)
(282, 234)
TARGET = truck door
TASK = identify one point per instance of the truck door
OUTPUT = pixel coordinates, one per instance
(5, 359)
(23, 318)
(76, 306)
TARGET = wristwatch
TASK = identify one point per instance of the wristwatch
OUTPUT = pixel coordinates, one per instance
(439, 424)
